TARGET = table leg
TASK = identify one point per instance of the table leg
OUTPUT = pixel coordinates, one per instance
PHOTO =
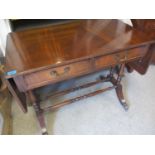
(120, 96)
(119, 90)
(39, 112)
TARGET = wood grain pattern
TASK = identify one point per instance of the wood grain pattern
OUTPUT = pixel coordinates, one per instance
(52, 75)
(59, 44)
(122, 57)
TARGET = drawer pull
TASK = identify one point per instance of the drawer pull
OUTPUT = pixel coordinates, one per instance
(119, 58)
(56, 74)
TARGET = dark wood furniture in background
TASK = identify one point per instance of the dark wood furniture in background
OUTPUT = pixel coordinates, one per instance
(25, 24)
(5, 101)
(48, 55)
(5, 105)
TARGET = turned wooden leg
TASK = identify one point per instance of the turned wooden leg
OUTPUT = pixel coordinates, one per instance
(39, 113)
(119, 90)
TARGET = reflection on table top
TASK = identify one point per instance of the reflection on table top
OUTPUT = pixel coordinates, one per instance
(68, 41)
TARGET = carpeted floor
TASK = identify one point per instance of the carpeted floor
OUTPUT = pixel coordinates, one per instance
(101, 114)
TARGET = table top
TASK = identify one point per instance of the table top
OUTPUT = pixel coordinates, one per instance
(54, 45)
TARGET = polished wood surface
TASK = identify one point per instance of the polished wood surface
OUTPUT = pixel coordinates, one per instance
(52, 75)
(146, 26)
(58, 44)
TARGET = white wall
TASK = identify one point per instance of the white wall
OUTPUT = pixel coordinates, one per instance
(4, 30)
(127, 21)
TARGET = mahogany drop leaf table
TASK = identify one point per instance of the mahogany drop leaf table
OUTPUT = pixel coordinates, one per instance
(42, 56)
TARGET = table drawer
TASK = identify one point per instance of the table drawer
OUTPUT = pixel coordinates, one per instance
(125, 56)
(41, 78)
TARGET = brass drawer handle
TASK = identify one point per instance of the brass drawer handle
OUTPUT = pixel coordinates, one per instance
(56, 74)
(118, 57)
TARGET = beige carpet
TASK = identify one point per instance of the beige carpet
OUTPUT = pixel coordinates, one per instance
(101, 114)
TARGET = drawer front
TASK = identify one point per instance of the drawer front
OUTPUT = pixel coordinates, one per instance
(41, 78)
(109, 60)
